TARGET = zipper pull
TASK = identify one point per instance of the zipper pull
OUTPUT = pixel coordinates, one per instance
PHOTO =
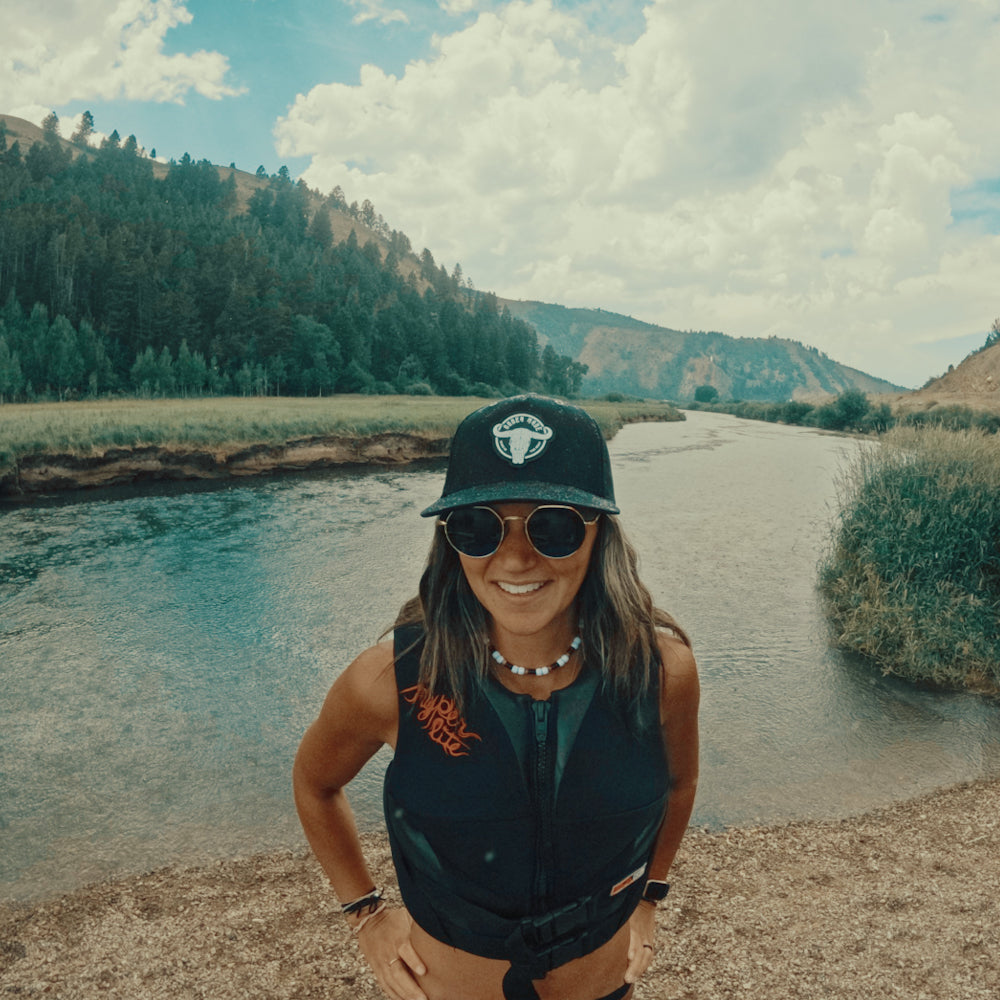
(540, 709)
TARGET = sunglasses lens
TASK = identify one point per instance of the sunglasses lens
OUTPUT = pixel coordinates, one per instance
(474, 531)
(556, 532)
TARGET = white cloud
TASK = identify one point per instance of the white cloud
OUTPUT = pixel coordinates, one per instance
(779, 168)
(376, 10)
(64, 51)
(458, 6)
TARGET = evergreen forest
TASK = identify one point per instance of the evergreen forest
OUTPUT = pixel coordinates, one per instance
(122, 276)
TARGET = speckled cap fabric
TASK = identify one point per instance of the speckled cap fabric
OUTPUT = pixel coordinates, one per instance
(528, 448)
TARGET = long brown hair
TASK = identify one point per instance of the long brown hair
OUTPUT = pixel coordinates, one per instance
(619, 621)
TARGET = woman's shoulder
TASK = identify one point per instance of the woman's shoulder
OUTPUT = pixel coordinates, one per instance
(678, 669)
(369, 682)
(373, 661)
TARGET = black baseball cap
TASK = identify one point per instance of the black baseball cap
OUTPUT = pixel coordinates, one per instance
(528, 448)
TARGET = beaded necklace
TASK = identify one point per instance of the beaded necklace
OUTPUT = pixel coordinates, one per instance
(536, 671)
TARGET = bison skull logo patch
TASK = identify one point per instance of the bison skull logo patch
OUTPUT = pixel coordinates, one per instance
(520, 438)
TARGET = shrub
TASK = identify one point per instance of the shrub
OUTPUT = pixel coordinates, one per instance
(877, 420)
(912, 578)
(845, 413)
(795, 411)
(483, 390)
(953, 418)
(988, 423)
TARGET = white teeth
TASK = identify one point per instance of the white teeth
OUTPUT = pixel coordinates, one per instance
(518, 588)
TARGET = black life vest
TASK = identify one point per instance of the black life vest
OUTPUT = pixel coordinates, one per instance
(521, 830)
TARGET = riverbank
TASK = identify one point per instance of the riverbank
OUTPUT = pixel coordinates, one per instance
(51, 447)
(53, 472)
(900, 902)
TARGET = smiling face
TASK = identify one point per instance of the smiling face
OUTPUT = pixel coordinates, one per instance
(528, 597)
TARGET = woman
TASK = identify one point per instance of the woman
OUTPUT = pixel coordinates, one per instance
(543, 716)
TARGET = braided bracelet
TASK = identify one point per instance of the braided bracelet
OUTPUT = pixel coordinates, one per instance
(356, 929)
(369, 901)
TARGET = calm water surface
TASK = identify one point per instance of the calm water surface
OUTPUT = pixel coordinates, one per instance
(161, 654)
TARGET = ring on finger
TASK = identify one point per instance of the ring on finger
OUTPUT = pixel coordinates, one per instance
(394, 961)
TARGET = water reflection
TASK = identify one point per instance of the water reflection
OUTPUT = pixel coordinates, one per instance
(161, 653)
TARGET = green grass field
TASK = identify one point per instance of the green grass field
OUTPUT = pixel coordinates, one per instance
(85, 428)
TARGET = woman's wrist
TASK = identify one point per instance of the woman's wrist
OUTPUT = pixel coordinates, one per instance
(357, 912)
(655, 891)
(358, 924)
(365, 903)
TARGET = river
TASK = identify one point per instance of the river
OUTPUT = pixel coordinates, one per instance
(162, 652)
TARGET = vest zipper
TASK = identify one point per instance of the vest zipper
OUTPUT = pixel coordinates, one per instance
(543, 804)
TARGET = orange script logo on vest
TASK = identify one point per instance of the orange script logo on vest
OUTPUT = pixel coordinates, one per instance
(440, 720)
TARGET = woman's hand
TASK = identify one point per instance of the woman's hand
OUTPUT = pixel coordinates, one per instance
(641, 938)
(385, 942)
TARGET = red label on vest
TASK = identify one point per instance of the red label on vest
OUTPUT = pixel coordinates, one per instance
(441, 720)
(627, 881)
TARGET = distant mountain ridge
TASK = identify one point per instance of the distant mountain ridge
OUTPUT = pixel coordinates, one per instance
(630, 356)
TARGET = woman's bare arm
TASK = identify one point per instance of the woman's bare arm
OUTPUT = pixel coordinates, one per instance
(679, 699)
(358, 716)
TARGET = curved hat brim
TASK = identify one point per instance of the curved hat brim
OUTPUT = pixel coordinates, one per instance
(517, 492)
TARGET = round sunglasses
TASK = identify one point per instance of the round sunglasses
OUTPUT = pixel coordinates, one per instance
(555, 531)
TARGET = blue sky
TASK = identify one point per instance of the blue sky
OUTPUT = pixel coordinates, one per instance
(829, 173)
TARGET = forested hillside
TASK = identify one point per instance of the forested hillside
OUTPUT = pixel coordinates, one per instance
(122, 275)
(626, 355)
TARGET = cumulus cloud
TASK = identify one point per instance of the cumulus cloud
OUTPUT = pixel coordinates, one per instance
(63, 51)
(780, 168)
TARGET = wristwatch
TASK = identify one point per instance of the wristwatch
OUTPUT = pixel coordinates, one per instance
(655, 891)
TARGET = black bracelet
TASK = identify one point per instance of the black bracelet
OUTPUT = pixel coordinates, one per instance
(369, 903)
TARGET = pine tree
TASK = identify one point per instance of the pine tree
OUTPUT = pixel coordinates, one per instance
(50, 127)
(84, 130)
(66, 370)
(11, 377)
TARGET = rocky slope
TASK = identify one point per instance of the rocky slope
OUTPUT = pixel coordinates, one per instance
(973, 383)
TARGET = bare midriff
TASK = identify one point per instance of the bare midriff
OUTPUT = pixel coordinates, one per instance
(457, 975)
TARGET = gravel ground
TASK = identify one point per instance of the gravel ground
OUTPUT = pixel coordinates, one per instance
(901, 902)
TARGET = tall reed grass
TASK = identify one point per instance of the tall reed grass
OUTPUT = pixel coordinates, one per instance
(912, 577)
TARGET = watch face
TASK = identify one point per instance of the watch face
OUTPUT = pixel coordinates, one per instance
(655, 891)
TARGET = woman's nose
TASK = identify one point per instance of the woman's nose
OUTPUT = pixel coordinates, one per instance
(515, 544)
